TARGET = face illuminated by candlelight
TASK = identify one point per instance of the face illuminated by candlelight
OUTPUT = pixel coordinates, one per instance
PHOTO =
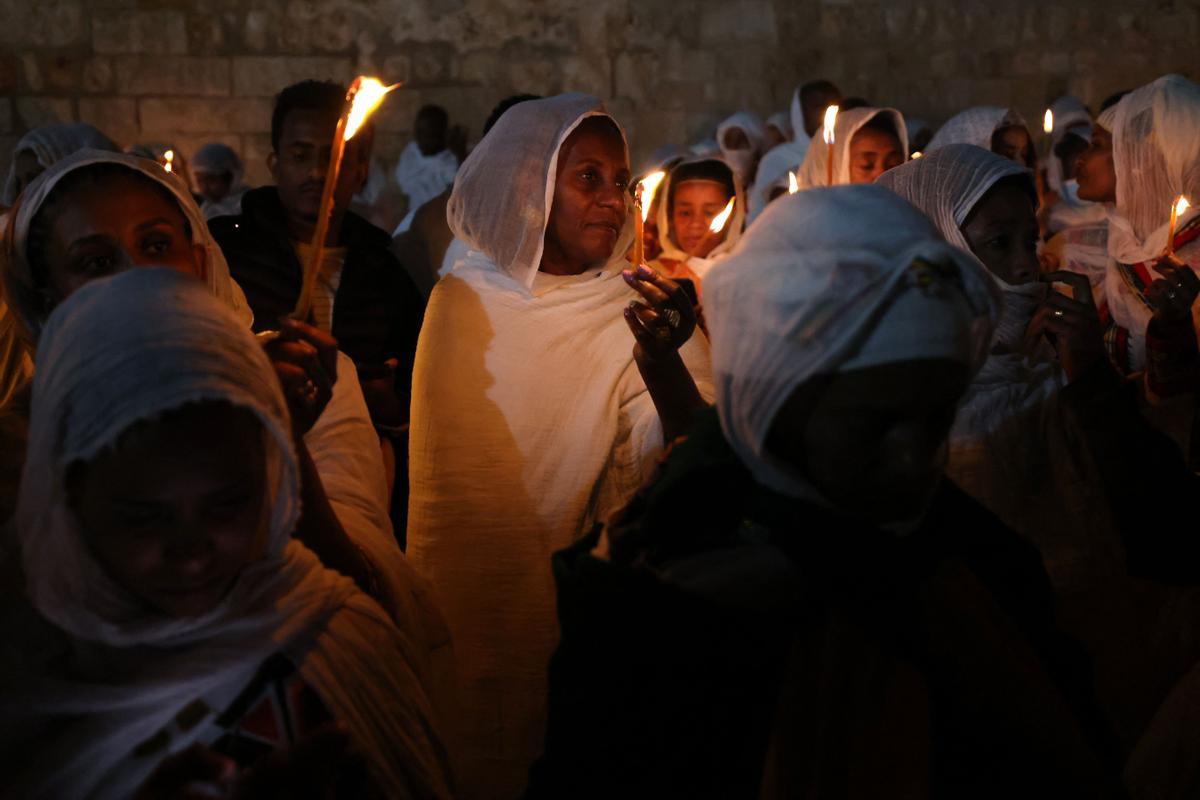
(874, 150)
(1013, 143)
(1095, 171)
(695, 204)
(591, 199)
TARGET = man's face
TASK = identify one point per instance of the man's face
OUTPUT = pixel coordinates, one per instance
(430, 134)
(300, 164)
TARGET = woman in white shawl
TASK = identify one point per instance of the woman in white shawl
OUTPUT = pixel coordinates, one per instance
(1001, 130)
(532, 420)
(1010, 446)
(741, 138)
(690, 197)
(134, 213)
(1144, 155)
(154, 530)
(217, 171)
(867, 142)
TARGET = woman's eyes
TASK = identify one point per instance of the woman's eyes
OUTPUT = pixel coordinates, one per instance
(157, 245)
(98, 264)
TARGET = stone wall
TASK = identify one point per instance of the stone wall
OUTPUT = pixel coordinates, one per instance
(190, 71)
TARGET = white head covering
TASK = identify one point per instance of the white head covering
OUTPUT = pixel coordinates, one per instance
(742, 160)
(813, 170)
(1070, 116)
(733, 228)
(422, 178)
(23, 292)
(504, 190)
(772, 173)
(976, 126)
(216, 158)
(120, 351)
(52, 143)
(782, 121)
(799, 132)
(1156, 155)
(825, 282)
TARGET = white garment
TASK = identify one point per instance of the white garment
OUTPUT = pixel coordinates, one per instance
(743, 160)
(976, 126)
(810, 290)
(228, 206)
(1156, 157)
(329, 277)
(216, 158)
(422, 178)
(79, 720)
(782, 122)
(773, 172)
(49, 145)
(530, 423)
(456, 251)
(733, 228)
(813, 170)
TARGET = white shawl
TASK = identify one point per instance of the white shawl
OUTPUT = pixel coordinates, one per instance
(101, 674)
(976, 126)
(813, 170)
(1156, 156)
(804, 294)
(530, 423)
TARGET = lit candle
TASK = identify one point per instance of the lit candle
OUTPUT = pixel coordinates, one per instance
(793, 184)
(643, 199)
(718, 224)
(1048, 122)
(830, 120)
(1181, 205)
(169, 161)
(362, 99)
(917, 155)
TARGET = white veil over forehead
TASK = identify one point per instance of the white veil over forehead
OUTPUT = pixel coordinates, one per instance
(1156, 154)
(123, 350)
(822, 282)
(504, 190)
(23, 292)
(51, 144)
(813, 170)
(975, 126)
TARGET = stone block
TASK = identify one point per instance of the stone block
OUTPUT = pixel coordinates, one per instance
(261, 30)
(210, 34)
(254, 151)
(42, 23)
(173, 75)
(35, 111)
(6, 116)
(206, 115)
(98, 74)
(156, 32)
(10, 73)
(724, 21)
(115, 116)
(396, 68)
(266, 76)
(52, 73)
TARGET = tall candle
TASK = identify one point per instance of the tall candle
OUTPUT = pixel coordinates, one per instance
(1181, 205)
(830, 121)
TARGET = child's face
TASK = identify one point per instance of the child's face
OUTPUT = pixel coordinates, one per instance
(176, 510)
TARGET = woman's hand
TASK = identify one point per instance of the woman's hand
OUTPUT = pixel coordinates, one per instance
(665, 321)
(1173, 294)
(1075, 323)
(305, 359)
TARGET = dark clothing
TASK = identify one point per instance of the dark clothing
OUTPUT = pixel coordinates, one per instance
(743, 644)
(377, 311)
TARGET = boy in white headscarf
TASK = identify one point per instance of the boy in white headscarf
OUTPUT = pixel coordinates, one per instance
(535, 413)
(166, 603)
(217, 171)
(741, 140)
(694, 193)
(800, 603)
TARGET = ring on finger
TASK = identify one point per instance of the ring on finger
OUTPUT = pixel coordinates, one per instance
(672, 316)
(1058, 312)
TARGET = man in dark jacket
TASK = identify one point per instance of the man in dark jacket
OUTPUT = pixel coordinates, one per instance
(363, 296)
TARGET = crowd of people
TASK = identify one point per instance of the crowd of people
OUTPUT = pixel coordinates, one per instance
(834, 455)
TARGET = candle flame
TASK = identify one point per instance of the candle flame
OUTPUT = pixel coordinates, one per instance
(647, 187)
(1181, 205)
(917, 154)
(1048, 122)
(830, 120)
(793, 184)
(168, 160)
(366, 99)
(718, 223)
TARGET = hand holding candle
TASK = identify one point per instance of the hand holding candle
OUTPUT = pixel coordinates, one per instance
(830, 122)
(364, 96)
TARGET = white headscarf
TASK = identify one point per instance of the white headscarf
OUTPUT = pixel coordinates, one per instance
(813, 170)
(733, 228)
(1156, 155)
(1070, 116)
(742, 160)
(120, 351)
(530, 423)
(772, 173)
(976, 126)
(782, 121)
(23, 293)
(947, 184)
(52, 143)
(218, 159)
(825, 282)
